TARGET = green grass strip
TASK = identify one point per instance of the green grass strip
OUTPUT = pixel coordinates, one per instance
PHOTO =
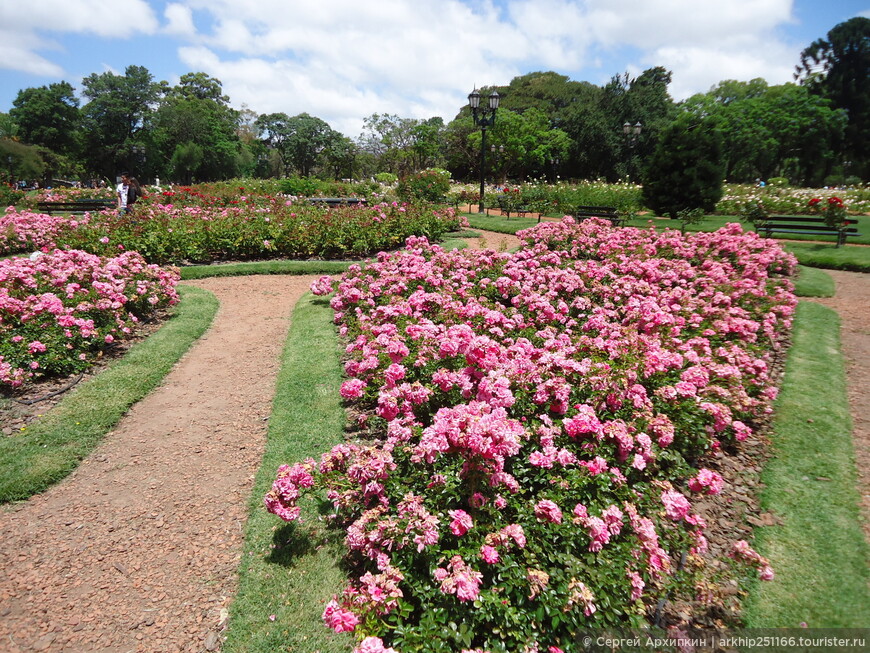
(811, 282)
(264, 267)
(854, 258)
(46, 451)
(291, 570)
(819, 553)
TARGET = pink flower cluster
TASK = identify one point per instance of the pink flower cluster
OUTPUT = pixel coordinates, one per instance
(58, 308)
(503, 388)
(745, 553)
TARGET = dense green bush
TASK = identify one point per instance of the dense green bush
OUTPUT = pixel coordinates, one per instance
(685, 170)
(300, 186)
(426, 186)
(386, 178)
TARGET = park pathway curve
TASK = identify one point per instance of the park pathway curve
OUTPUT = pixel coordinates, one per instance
(137, 550)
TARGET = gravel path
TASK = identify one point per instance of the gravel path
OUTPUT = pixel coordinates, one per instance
(137, 550)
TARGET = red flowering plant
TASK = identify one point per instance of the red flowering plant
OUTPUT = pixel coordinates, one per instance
(833, 210)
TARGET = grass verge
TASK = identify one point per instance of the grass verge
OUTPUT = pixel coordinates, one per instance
(291, 570)
(191, 272)
(818, 553)
(49, 449)
(811, 282)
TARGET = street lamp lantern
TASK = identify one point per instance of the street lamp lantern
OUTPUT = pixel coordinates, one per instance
(483, 118)
(631, 133)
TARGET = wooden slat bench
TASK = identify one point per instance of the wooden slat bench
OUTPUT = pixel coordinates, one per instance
(75, 206)
(338, 201)
(605, 212)
(813, 225)
(504, 205)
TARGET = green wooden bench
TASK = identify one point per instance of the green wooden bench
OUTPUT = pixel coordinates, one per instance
(75, 206)
(813, 225)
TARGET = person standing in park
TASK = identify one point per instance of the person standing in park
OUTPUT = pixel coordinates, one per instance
(121, 191)
(134, 192)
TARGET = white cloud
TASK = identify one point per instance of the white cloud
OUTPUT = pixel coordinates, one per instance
(343, 59)
(21, 27)
(179, 20)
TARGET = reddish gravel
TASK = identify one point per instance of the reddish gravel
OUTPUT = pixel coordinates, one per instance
(137, 550)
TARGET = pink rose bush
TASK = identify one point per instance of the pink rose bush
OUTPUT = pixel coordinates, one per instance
(59, 309)
(525, 467)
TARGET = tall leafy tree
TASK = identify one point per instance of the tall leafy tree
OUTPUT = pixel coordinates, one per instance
(118, 110)
(645, 100)
(772, 130)
(299, 140)
(838, 67)
(308, 136)
(48, 116)
(195, 126)
(684, 171)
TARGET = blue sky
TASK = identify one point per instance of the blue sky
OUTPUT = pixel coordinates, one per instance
(343, 60)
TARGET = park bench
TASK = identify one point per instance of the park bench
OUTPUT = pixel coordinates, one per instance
(75, 206)
(804, 224)
(505, 206)
(337, 201)
(604, 212)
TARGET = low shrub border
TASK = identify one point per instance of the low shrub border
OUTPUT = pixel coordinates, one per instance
(264, 577)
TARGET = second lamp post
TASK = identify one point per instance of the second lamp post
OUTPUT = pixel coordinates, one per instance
(483, 117)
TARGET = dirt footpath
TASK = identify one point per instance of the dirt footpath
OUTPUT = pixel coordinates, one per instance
(137, 550)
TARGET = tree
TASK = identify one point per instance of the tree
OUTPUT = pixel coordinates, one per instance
(838, 67)
(403, 145)
(195, 112)
(685, 171)
(529, 142)
(307, 137)
(298, 140)
(118, 111)
(772, 131)
(645, 100)
(20, 161)
(48, 116)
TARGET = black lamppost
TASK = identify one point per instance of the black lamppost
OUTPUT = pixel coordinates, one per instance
(554, 162)
(483, 117)
(631, 133)
(497, 153)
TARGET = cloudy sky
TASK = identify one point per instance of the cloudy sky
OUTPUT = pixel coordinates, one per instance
(343, 60)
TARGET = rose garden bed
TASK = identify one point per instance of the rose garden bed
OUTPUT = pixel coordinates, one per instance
(528, 455)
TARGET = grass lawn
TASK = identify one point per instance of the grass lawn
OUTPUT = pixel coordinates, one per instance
(819, 553)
